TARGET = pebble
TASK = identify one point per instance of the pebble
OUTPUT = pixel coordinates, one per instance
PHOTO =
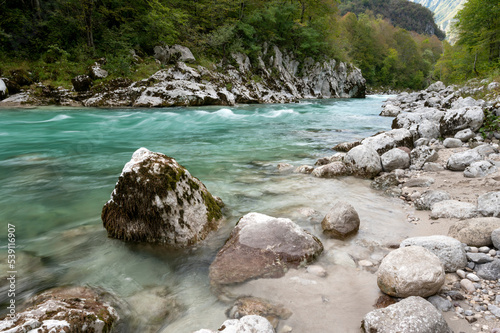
(461, 273)
(484, 249)
(286, 329)
(473, 249)
(468, 313)
(473, 277)
(365, 263)
(492, 253)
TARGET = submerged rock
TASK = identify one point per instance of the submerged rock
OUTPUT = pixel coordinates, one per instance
(248, 305)
(331, 170)
(246, 324)
(67, 309)
(341, 221)
(411, 315)
(262, 246)
(410, 271)
(157, 200)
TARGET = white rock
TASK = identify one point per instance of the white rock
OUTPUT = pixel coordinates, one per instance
(246, 324)
(395, 159)
(453, 209)
(410, 271)
(475, 232)
(452, 143)
(447, 249)
(460, 161)
(465, 135)
(489, 204)
(480, 169)
(363, 161)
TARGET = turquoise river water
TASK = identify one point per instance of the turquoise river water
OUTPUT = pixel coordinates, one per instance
(58, 166)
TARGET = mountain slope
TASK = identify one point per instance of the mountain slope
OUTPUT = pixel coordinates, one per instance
(444, 10)
(401, 13)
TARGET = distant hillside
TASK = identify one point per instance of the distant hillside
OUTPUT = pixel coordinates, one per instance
(444, 11)
(402, 13)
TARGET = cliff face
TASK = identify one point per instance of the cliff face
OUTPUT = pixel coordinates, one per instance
(277, 77)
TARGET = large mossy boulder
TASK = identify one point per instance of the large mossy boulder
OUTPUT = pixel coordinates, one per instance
(157, 200)
(262, 246)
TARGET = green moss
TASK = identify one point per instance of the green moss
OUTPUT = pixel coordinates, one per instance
(214, 212)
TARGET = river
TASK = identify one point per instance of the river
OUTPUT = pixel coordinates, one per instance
(58, 166)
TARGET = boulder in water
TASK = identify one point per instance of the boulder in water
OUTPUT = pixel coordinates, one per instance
(262, 246)
(157, 200)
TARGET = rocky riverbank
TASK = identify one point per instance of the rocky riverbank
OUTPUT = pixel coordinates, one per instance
(445, 279)
(277, 77)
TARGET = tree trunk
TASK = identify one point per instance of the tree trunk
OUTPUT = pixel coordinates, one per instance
(475, 62)
(88, 9)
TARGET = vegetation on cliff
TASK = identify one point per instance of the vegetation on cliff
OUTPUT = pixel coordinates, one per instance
(56, 40)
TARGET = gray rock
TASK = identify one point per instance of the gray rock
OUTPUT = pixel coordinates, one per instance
(246, 324)
(96, 72)
(346, 146)
(410, 271)
(489, 271)
(495, 238)
(485, 150)
(385, 181)
(480, 169)
(307, 169)
(495, 310)
(157, 200)
(479, 258)
(452, 143)
(432, 167)
(465, 135)
(262, 246)
(284, 167)
(181, 53)
(65, 309)
(390, 110)
(4, 92)
(385, 141)
(430, 197)
(338, 157)
(363, 161)
(411, 315)
(428, 129)
(493, 85)
(422, 142)
(461, 118)
(453, 209)
(412, 121)
(331, 170)
(421, 155)
(447, 249)
(460, 161)
(436, 86)
(489, 204)
(82, 83)
(467, 102)
(395, 159)
(341, 221)
(440, 303)
(475, 232)
(419, 182)
(242, 61)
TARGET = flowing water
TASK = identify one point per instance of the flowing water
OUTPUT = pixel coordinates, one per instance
(58, 166)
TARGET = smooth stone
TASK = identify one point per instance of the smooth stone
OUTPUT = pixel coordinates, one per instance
(395, 159)
(442, 304)
(254, 245)
(479, 258)
(363, 161)
(341, 221)
(461, 273)
(386, 141)
(473, 277)
(447, 249)
(489, 271)
(467, 285)
(411, 315)
(316, 270)
(484, 249)
(453, 209)
(475, 232)
(410, 271)
(495, 238)
(452, 143)
(465, 135)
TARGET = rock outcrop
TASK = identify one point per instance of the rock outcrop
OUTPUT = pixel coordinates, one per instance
(262, 246)
(157, 200)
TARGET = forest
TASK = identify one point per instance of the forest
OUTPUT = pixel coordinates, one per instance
(57, 39)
